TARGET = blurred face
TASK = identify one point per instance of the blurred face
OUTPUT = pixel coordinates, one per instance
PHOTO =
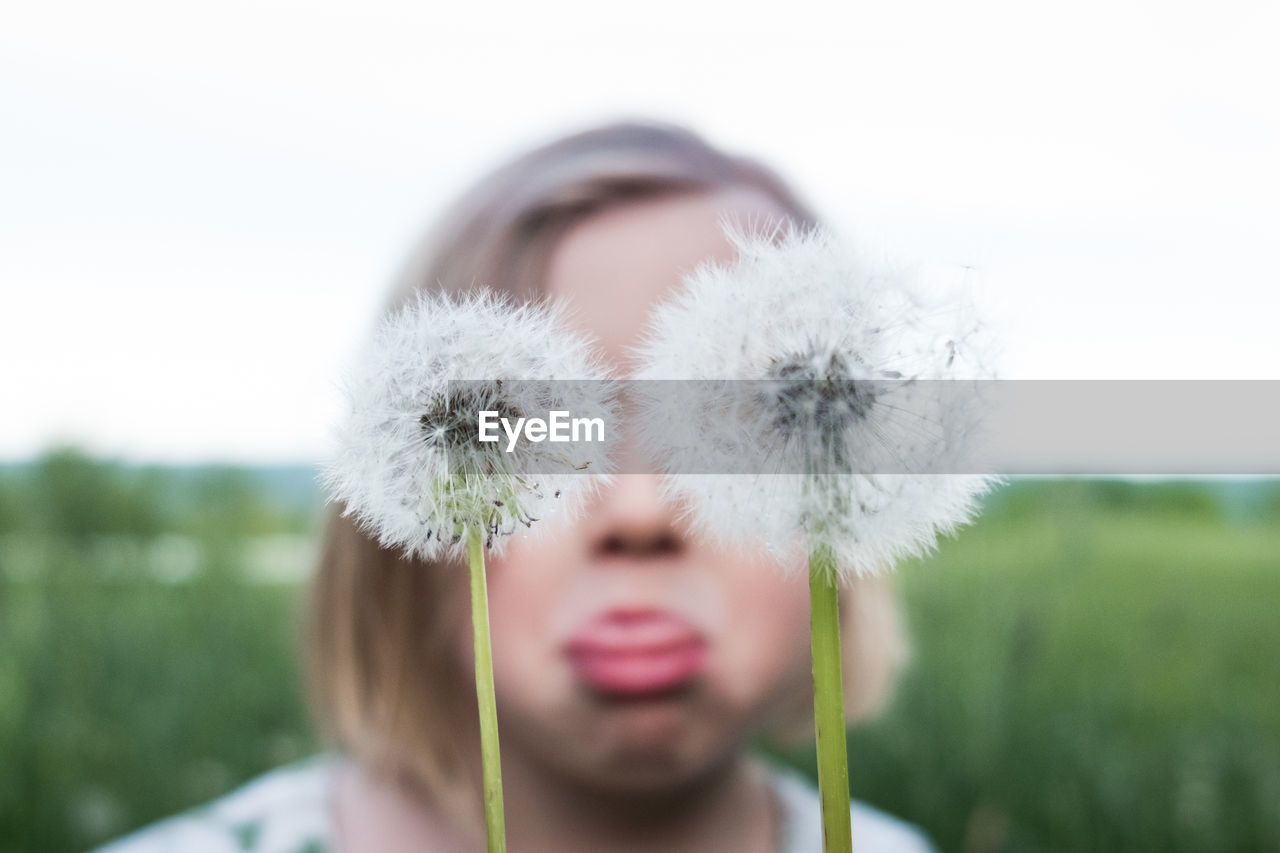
(628, 652)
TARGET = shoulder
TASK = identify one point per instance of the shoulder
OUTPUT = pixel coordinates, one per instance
(873, 830)
(284, 811)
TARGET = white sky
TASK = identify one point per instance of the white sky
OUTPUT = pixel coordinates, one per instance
(201, 204)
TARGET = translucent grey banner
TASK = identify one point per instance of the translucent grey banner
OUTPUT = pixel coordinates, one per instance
(880, 426)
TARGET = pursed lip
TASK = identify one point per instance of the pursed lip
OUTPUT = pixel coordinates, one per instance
(634, 653)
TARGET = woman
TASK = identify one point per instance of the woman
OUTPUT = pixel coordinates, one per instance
(595, 756)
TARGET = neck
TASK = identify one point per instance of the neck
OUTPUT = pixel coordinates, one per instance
(728, 808)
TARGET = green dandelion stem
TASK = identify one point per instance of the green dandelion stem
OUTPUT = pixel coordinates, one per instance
(495, 828)
(828, 702)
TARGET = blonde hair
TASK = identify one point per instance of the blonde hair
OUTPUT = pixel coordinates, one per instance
(382, 686)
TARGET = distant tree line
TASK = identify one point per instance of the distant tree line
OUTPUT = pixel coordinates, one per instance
(72, 496)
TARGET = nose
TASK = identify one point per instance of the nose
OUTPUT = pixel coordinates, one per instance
(632, 521)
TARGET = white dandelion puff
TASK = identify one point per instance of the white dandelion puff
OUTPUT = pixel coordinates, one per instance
(409, 464)
(412, 468)
(829, 436)
(838, 440)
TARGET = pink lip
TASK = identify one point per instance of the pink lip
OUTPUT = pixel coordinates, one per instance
(633, 653)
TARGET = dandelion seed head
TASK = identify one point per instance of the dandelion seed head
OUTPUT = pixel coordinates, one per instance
(837, 418)
(409, 465)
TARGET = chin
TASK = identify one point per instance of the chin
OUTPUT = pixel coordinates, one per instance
(653, 745)
(634, 771)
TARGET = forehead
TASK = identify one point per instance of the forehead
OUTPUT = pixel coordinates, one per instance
(613, 267)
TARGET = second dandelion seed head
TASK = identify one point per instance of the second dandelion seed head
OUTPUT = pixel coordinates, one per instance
(816, 425)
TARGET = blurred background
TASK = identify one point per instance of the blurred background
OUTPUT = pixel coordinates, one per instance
(201, 206)
(1095, 662)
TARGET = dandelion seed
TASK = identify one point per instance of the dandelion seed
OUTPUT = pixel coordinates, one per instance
(412, 469)
(842, 431)
(410, 466)
(836, 353)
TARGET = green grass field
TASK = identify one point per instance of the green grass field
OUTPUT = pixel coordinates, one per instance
(1089, 674)
(1096, 664)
